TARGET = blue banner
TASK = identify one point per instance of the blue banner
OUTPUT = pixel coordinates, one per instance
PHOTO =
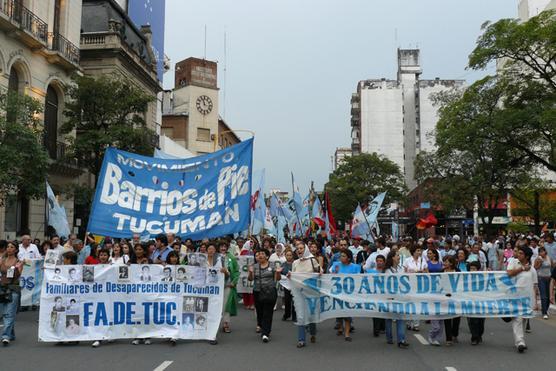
(201, 197)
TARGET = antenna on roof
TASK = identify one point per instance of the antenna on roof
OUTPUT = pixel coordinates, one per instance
(224, 82)
(205, 54)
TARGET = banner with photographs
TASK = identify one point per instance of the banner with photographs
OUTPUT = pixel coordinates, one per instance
(244, 286)
(411, 296)
(30, 282)
(103, 302)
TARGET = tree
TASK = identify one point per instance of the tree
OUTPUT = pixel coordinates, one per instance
(23, 159)
(527, 53)
(534, 201)
(361, 177)
(104, 112)
(468, 167)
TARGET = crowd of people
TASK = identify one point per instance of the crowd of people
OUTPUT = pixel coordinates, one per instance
(517, 254)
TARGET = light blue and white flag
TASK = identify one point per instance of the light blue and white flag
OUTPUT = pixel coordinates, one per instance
(57, 218)
(359, 226)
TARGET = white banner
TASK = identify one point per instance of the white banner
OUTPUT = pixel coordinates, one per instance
(30, 282)
(244, 286)
(99, 302)
(411, 296)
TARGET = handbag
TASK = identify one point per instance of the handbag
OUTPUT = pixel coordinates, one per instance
(266, 293)
(5, 295)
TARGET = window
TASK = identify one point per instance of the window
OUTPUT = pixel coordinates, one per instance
(203, 135)
(17, 215)
(51, 122)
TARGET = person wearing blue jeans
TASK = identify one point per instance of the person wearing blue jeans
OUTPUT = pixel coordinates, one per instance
(400, 333)
(8, 311)
(301, 330)
(10, 270)
(391, 266)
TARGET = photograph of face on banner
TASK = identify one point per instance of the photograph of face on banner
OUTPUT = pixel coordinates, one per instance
(51, 258)
(212, 277)
(200, 321)
(88, 273)
(72, 325)
(123, 273)
(72, 306)
(181, 274)
(167, 274)
(145, 275)
(188, 304)
(201, 304)
(57, 274)
(197, 259)
(74, 274)
(58, 316)
(188, 321)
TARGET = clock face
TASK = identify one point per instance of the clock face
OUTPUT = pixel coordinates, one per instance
(204, 105)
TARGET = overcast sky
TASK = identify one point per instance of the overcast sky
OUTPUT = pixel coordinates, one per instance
(292, 65)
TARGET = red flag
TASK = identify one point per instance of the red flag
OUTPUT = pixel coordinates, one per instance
(428, 222)
(254, 199)
(331, 221)
(431, 220)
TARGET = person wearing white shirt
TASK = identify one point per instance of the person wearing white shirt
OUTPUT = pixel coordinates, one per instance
(415, 264)
(355, 248)
(381, 249)
(28, 250)
(523, 271)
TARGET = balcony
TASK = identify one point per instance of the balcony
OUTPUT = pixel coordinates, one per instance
(59, 161)
(62, 51)
(23, 23)
(109, 43)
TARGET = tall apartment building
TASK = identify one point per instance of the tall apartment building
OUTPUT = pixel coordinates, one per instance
(529, 8)
(396, 118)
(38, 54)
(190, 110)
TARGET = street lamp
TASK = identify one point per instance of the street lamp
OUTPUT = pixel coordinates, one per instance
(230, 131)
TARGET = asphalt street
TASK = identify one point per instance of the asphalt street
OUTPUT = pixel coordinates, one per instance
(243, 350)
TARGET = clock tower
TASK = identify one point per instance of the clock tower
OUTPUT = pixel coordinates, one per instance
(190, 114)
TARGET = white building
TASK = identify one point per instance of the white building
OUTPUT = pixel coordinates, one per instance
(339, 156)
(396, 118)
(38, 55)
(530, 8)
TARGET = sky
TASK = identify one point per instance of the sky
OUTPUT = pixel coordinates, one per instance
(292, 65)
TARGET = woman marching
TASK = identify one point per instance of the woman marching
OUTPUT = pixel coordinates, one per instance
(305, 264)
(230, 293)
(392, 267)
(265, 277)
(451, 325)
(10, 270)
(345, 266)
(415, 264)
